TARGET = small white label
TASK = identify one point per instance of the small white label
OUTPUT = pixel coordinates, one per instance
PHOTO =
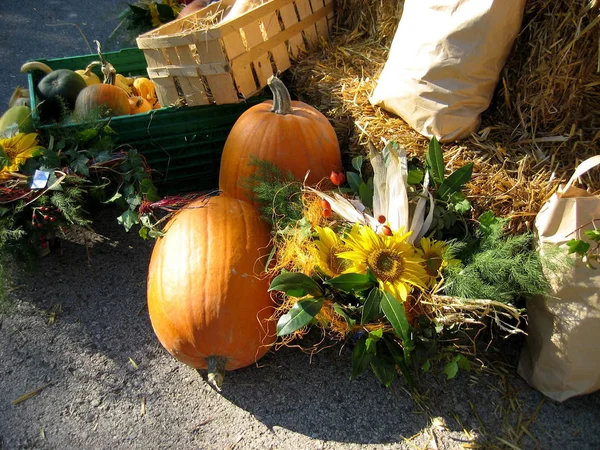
(40, 179)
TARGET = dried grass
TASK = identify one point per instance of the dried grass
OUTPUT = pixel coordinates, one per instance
(544, 118)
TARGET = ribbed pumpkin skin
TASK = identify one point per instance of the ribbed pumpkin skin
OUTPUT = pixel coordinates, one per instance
(296, 142)
(203, 296)
(103, 99)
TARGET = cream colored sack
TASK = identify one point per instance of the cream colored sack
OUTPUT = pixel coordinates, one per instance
(561, 357)
(445, 61)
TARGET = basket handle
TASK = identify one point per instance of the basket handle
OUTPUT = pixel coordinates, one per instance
(586, 165)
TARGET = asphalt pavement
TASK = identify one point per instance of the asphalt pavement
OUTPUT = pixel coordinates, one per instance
(31, 30)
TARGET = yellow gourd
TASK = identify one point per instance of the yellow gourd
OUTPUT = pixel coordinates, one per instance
(145, 88)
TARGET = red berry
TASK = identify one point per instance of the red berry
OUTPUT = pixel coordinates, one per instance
(327, 213)
(325, 204)
(342, 177)
(44, 244)
(335, 178)
(46, 216)
(381, 219)
(52, 218)
(387, 231)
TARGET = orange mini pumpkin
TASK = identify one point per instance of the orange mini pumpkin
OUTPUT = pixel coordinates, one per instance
(138, 105)
(290, 134)
(207, 306)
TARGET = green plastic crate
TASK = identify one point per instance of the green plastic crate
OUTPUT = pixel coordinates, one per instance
(182, 145)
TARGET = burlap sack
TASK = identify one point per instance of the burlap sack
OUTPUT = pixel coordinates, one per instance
(561, 356)
(445, 61)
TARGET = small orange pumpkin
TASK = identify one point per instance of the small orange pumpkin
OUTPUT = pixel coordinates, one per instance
(145, 88)
(292, 135)
(207, 306)
(138, 105)
(101, 100)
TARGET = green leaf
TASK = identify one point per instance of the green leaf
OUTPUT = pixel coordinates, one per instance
(400, 360)
(357, 163)
(340, 310)
(455, 181)
(395, 314)
(460, 203)
(360, 358)
(298, 316)
(365, 194)
(299, 283)
(103, 156)
(149, 190)
(4, 159)
(80, 165)
(49, 158)
(451, 369)
(384, 368)
(350, 282)
(128, 219)
(435, 161)
(371, 308)
(354, 181)
(578, 246)
(593, 235)
(84, 136)
(415, 176)
(426, 366)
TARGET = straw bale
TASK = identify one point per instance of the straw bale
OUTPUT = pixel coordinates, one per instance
(544, 118)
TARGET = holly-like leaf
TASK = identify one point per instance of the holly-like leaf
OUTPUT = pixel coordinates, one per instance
(296, 285)
(351, 282)
(298, 316)
(455, 181)
(435, 161)
(578, 246)
(371, 308)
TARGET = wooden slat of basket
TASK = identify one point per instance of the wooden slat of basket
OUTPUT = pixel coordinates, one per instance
(279, 52)
(262, 64)
(155, 58)
(192, 86)
(222, 88)
(289, 19)
(305, 10)
(323, 27)
(285, 35)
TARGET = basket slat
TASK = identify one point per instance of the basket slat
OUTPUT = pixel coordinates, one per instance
(230, 61)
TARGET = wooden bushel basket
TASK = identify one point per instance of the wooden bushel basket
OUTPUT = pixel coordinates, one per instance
(221, 63)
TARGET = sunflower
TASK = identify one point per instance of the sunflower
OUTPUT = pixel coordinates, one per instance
(392, 260)
(435, 258)
(327, 248)
(18, 149)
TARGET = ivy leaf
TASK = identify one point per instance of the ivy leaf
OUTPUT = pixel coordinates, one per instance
(460, 203)
(360, 358)
(103, 156)
(395, 314)
(298, 316)
(593, 235)
(80, 165)
(435, 161)
(149, 190)
(451, 369)
(372, 307)
(296, 285)
(578, 246)
(128, 219)
(354, 181)
(350, 282)
(49, 158)
(84, 136)
(455, 181)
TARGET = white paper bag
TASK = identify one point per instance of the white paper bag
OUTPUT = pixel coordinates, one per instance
(561, 356)
(445, 61)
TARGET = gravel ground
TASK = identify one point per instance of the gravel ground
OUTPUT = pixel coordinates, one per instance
(79, 332)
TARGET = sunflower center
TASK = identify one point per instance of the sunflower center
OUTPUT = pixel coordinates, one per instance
(338, 265)
(10, 151)
(386, 264)
(433, 264)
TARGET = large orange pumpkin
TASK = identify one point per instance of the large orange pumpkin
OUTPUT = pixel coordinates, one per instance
(290, 134)
(207, 306)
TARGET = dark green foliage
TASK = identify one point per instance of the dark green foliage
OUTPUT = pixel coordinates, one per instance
(278, 194)
(497, 266)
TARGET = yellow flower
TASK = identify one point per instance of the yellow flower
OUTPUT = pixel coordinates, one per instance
(434, 254)
(326, 249)
(392, 260)
(19, 149)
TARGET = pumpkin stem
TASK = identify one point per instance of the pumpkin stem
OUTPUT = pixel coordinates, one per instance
(107, 68)
(216, 371)
(282, 102)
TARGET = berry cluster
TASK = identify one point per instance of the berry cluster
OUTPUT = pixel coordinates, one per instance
(43, 215)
